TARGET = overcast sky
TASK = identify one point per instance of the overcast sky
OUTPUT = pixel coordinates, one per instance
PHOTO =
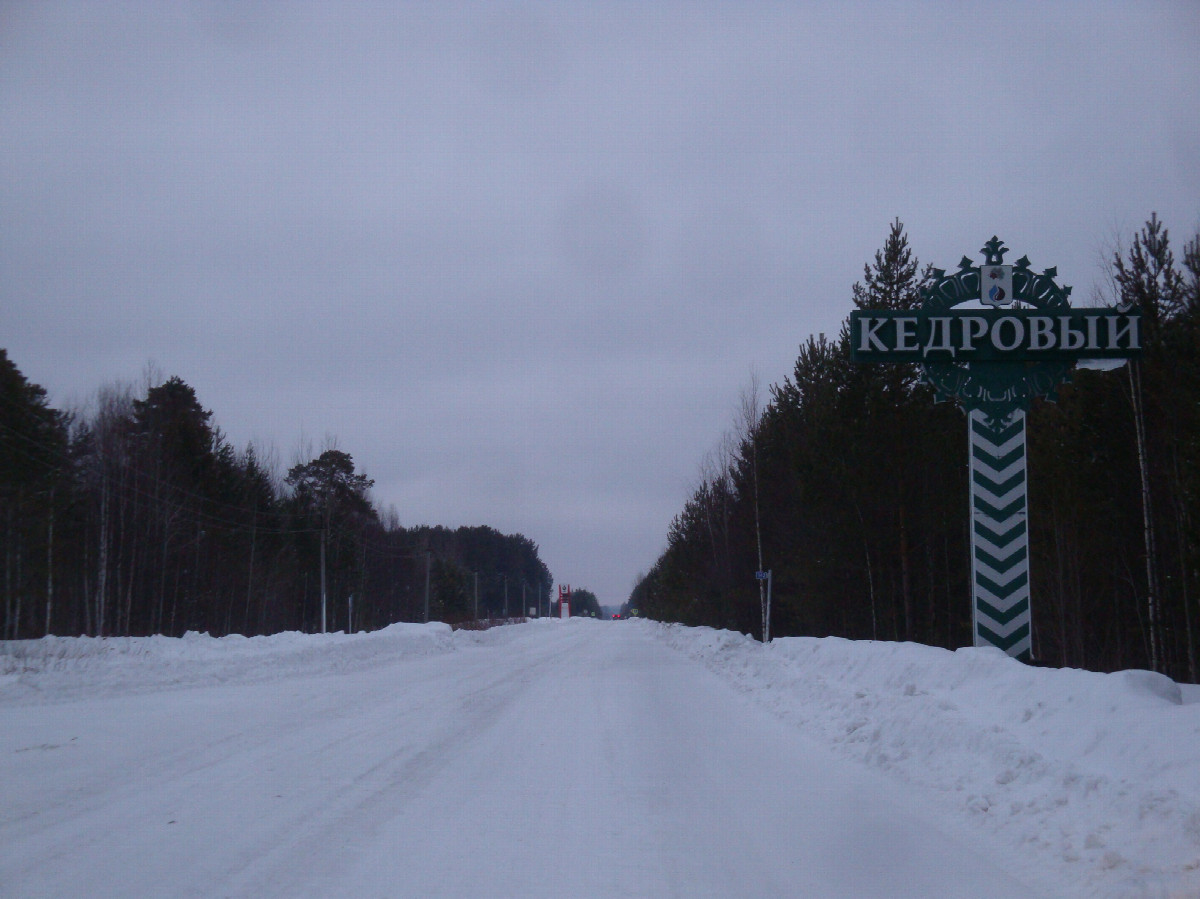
(520, 259)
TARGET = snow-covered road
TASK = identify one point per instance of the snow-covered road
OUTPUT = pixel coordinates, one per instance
(549, 759)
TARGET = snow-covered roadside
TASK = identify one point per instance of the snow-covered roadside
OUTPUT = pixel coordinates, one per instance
(67, 668)
(1100, 771)
(63, 669)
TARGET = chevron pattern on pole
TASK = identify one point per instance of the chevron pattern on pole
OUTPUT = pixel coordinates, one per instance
(1000, 534)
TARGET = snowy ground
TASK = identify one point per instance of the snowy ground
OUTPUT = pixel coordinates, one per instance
(1096, 775)
(585, 759)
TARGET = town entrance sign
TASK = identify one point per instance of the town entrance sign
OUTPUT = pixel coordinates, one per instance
(993, 337)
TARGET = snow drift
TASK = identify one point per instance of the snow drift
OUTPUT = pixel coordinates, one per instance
(1100, 771)
(77, 667)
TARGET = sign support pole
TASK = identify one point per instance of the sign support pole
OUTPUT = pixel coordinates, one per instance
(1001, 614)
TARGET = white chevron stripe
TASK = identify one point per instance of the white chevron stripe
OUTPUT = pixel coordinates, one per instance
(1002, 604)
(1005, 630)
(1008, 576)
(1000, 553)
(1000, 526)
(1021, 647)
(1002, 500)
(1003, 474)
(998, 449)
(1000, 580)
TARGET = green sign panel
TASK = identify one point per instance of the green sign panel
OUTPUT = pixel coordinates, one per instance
(992, 337)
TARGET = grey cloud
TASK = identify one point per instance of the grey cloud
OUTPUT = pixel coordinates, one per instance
(520, 257)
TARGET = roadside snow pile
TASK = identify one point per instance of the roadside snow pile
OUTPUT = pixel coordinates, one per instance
(64, 668)
(1101, 770)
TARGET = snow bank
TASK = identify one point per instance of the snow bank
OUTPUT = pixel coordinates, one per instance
(1100, 770)
(65, 668)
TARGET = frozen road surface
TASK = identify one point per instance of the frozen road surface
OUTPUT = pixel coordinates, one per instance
(556, 759)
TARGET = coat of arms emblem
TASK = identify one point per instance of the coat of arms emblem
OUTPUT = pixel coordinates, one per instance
(995, 285)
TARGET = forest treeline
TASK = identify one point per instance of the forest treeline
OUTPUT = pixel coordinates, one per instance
(139, 517)
(851, 486)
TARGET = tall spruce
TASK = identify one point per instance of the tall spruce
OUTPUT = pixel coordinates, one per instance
(1149, 280)
(893, 282)
(32, 462)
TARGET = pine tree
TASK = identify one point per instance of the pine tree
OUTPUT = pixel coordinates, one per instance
(1150, 281)
(32, 461)
(329, 492)
(893, 282)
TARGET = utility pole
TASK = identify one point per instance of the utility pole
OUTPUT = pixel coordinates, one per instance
(751, 419)
(50, 566)
(765, 576)
(767, 625)
(324, 540)
(505, 596)
(476, 595)
(428, 563)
